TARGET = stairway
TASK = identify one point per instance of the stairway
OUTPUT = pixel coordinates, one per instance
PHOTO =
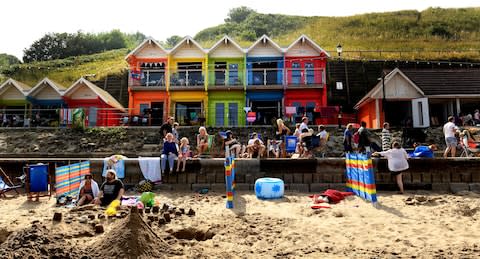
(117, 86)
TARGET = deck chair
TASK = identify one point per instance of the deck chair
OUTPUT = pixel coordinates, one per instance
(38, 181)
(6, 184)
(291, 144)
(467, 151)
(211, 141)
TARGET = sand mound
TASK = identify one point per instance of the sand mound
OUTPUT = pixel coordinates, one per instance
(132, 239)
(4, 233)
(38, 241)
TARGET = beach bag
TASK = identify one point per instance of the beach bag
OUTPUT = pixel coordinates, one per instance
(145, 186)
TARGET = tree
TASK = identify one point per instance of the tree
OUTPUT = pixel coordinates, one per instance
(173, 40)
(50, 46)
(7, 60)
(239, 14)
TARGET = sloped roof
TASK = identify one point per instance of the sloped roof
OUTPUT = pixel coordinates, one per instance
(46, 81)
(379, 85)
(187, 39)
(104, 95)
(446, 81)
(146, 41)
(222, 40)
(304, 37)
(265, 38)
(23, 88)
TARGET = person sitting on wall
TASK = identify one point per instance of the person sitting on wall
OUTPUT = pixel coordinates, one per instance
(255, 146)
(169, 153)
(202, 141)
(423, 151)
(232, 145)
(112, 189)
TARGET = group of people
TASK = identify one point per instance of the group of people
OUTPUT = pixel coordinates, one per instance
(362, 140)
(454, 138)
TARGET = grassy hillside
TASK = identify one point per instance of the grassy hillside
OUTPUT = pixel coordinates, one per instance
(67, 71)
(454, 31)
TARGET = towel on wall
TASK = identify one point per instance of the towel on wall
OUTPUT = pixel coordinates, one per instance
(150, 167)
(115, 162)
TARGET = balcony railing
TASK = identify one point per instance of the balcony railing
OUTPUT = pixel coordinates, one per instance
(225, 77)
(305, 76)
(265, 76)
(187, 77)
(229, 77)
(147, 78)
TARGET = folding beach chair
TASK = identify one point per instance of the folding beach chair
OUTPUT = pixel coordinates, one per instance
(468, 151)
(38, 181)
(6, 184)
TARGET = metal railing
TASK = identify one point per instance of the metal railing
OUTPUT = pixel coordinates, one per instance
(148, 78)
(226, 77)
(265, 76)
(305, 76)
(187, 77)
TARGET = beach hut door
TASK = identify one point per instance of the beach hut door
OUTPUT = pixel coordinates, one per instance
(421, 116)
(92, 117)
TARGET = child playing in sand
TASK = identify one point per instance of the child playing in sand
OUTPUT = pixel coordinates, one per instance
(397, 162)
(184, 153)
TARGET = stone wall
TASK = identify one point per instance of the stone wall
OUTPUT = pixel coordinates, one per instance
(312, 175)
(144, 141)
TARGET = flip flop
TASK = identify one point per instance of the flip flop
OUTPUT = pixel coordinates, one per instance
(320, 207)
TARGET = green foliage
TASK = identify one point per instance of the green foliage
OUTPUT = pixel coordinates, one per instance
(454, 31)
(63, 45)
(68, 70)
(7, 60)
(244, 23)
(173, 40)
(239, 14)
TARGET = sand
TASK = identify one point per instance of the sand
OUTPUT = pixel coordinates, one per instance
(414, 225)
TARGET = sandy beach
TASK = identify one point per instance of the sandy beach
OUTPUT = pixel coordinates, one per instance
(429, 226)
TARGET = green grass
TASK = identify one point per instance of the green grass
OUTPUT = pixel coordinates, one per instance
(67, 71)
(433, 34)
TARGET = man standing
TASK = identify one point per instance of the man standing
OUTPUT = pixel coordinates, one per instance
(386, 137)
(166, 127)
(364, 140)
(112, 189)
(449, 131)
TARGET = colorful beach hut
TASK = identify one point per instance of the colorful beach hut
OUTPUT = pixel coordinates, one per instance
(13, 102)
(226, 83)
(148, 80)
(265, 67)
(305, 78)
(46, 98)
(188, 82)
(100, 107)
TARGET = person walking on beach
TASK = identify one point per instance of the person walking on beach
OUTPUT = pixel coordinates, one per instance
(397, 162)
(449, 131)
